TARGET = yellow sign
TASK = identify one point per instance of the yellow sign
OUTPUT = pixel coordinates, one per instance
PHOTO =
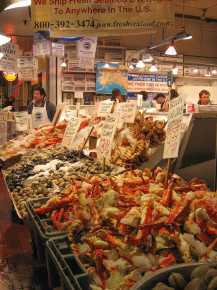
(101, 15)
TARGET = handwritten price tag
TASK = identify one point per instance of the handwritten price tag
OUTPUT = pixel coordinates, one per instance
(70, 132)
(171, 147)
(104, 108)
(107, 135)
(128, 112)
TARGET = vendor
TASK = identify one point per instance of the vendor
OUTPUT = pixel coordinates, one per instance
(116, 95)
(204, 96)
(161, 99)
(146, 103)
(41, 110)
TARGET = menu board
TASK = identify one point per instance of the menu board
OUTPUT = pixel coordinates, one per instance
(107, 135)
(104, 108)
(70, 132)
(128, 112)
(171, 147)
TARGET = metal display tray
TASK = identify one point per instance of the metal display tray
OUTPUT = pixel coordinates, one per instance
(61, 261)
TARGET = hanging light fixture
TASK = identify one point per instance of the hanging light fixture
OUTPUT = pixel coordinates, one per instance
(1, 54)
(148, 57)
(10, 76)
(23, 3)
(175, 70)
(195, 71)
(63, 64)
(4, 39)
(131, 66)
(153, 68)
(140, 63)
(208, 74)
(106, 65)
(171, 49)
(214, 72)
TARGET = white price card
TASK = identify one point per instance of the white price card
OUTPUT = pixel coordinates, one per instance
(104, 108)
(175, 114)
(70, 132)
(78, 95)
(128, 112)
(107, 135)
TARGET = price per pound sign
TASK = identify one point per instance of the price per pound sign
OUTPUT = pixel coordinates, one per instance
(104, 146)
(172, 139)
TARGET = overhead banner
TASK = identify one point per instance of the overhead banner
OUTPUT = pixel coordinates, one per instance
(147, 82)
(8, 62)
(99, 15)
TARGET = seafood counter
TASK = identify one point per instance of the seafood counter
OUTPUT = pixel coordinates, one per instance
(121, 227)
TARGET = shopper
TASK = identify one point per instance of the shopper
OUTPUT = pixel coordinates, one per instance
(146, 103)
(42, 111)
(173, 94)
(160, 99)
(116, 95)
(204, 96)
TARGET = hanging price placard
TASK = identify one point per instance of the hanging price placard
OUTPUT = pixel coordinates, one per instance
(70, 132)
(107, 135)
(171, 147)
(128, 112)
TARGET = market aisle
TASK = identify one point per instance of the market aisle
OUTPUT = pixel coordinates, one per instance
(18, 269)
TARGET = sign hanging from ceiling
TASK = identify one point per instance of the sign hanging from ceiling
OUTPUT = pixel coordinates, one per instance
(8, 61)
(82, 16)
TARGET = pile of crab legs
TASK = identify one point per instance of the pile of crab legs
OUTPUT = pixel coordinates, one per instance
(130, 224)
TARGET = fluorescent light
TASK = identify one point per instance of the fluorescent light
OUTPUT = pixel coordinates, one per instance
(106, 65)
(214, 72)
(1, 54)
(22, 3)
(195, 71)
(4, 39)
(131, 66)
(63, 64)
(140, 64)
(148, 57)
(171, 50)
(153, 68)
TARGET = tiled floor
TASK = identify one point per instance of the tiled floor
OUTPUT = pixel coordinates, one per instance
(18, 268)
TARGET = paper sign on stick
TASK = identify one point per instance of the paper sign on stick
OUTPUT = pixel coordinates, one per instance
(171, 147)
(107, 135)
(128, 112)
(104, 108)
(58, 113)
(70, 132)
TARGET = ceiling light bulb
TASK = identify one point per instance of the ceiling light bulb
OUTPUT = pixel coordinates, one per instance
(140, 64)
(195, 71)
(23, 3)
(153, 68)
(214, 72)
(188, 36)
(131, 66)
(171, 50)
(175, 70)
(4, 39)
(63, 64)
(148, 57)
(1, 54)
(106, 65)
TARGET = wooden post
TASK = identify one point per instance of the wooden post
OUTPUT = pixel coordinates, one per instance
(103, 165)
(86, 141)
(167, 172)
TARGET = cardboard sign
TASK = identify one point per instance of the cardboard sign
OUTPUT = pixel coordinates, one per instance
(27, 74)
(70, 132)
(90, 110)
(171, 147)
(78, 95)
(41, 48)
(104, 108)
(8, 61)
(57, 49)
(107, 135)
(128, 112)
(87, 63)
(27, 62)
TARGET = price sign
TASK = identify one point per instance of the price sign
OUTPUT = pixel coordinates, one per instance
(104, 108)
(171, 147)
(70, 132)
(78, 95)
(107, 135)
(128, 112)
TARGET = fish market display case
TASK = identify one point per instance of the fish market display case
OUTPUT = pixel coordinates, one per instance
(198, 151)
(40, 227)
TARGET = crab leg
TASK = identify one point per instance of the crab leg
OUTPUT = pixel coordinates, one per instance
(181, 206)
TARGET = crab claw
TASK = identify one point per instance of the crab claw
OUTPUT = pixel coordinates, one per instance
(180, 208)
